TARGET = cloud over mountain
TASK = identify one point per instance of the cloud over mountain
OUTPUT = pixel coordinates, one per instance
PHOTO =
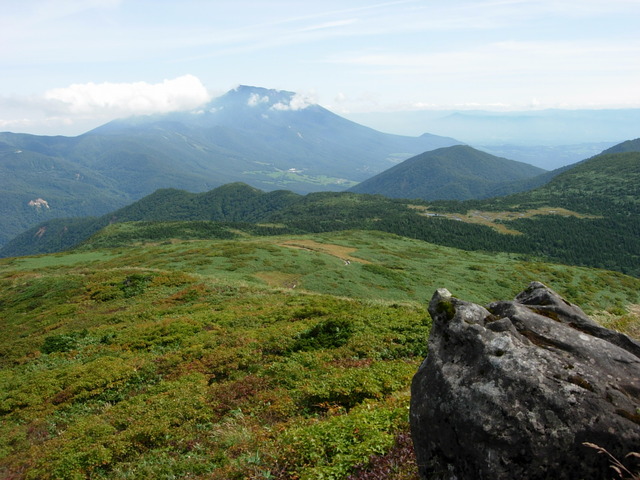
(296, 102)
(255, 99)
(180, 93)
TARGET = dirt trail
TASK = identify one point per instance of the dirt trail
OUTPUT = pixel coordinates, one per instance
(339, 251)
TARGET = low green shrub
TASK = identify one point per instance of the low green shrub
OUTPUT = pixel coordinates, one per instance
(62, 343)
(326, 334)
(134, 284)
(332, 448)
(348, 387)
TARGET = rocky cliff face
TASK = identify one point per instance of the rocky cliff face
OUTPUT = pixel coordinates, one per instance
(514, 389)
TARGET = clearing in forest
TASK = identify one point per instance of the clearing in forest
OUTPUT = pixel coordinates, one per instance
(493, 219)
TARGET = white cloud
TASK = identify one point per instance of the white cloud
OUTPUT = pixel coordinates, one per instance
(255, 100)
(297, 102)
(181, 93)
(79, 107)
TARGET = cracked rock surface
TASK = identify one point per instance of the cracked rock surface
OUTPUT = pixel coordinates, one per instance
(513, 389)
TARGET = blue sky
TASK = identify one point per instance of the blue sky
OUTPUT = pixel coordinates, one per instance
(69, 65)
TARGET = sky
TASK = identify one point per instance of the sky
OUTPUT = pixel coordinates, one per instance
(67, 66)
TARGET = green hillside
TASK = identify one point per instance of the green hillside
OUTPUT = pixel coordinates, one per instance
(605, 189)
(628, 146)
(69, 190)
(273, 357)
(228, 203)
(587, 215)
(453, 173)
(607, 184)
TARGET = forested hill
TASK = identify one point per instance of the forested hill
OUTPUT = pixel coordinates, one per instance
(603, 230)
(233, 202)
(607, 184)
(605, 189)
(628, 146)
(458, 173)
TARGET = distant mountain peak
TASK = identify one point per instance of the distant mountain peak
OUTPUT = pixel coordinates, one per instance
(262, 99)
(250, 89)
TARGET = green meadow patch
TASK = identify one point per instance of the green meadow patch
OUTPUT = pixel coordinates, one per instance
(253, 357)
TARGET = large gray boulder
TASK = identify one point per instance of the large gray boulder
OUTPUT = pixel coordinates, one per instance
(514, 389)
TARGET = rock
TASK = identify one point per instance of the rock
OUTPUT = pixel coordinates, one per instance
(514, 389)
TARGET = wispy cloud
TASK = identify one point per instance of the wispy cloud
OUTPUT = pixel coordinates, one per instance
(322, 24)
(541, 57)
(333, 24)
(255, 99)
(47, 10)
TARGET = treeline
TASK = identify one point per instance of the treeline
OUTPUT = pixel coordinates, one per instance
(129, 233)
(610, 242)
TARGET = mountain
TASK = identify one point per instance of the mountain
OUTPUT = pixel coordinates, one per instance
(39, 186)
(267, 138)
(588, 214)
(540, 180)
(272, 139)
(451, 173)
(607, 185)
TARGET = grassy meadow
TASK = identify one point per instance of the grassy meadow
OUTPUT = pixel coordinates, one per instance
(280, 357)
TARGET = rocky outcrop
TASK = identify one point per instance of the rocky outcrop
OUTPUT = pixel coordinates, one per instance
(514, 389)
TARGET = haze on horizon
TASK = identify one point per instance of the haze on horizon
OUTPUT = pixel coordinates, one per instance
(70, 65)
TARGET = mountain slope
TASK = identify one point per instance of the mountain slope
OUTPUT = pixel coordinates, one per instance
(235, 202)
(628, 146)
(540, 180)
(259, 136)
(587, 215)
(67, 188)
(199, 359)
(452, 173)
(607, 184)
(604, 191)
